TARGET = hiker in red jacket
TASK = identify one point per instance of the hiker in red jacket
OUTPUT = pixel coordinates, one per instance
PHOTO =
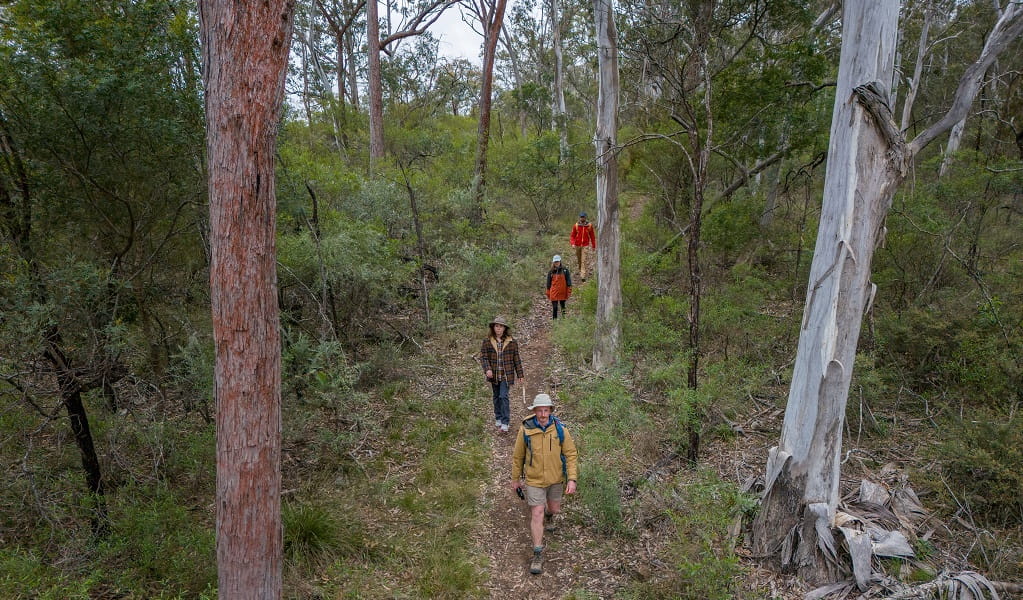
(582, 236)
(559, 285)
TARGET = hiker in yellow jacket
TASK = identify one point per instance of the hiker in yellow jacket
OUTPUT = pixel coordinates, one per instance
(546, 456)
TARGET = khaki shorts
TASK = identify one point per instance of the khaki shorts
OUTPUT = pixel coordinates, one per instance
(538, 496)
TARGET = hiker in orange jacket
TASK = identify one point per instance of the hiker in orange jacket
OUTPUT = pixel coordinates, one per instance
(559, 285)
(582, 235)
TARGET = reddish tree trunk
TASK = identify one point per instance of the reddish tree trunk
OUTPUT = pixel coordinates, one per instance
(245, 53)
(492, 16)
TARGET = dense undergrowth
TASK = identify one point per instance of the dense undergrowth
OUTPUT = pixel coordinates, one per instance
(382, 450)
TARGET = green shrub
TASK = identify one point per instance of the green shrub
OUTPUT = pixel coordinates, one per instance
(703, 550)
(602, 499)
(157, 543)
(313, 534)
(596, 400)
(980, 459)
(25, 575)
(574, 335)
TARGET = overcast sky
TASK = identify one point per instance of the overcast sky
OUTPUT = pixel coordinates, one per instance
(457, 40)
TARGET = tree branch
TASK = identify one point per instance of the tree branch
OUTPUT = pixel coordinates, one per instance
(1008, 28)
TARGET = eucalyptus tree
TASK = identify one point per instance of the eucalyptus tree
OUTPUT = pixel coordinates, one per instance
(520, 38)
(417, 17)
(535, 40)
(929, 11)
(342, 19)
(868, 158)
(560, 111)
(245, 58)
(317, 38)
(100, 184)
(718, 82)
(608, 329)
(995, 78)
(490, 14)
(457, 83)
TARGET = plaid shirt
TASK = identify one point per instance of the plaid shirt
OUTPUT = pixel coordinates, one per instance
(505, 363)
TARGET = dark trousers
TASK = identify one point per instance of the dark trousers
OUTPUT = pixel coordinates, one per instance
(554, 305)
(502, 409)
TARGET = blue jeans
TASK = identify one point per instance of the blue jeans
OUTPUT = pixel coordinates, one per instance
(502, 409)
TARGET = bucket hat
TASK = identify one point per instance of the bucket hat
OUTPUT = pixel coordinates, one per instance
(500, 320)
(541, 400)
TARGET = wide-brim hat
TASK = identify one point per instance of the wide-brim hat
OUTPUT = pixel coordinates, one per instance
(500, 320)
(541, 400)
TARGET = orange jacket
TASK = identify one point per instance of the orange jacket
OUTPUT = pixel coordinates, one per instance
(582, 235)
(559, 284)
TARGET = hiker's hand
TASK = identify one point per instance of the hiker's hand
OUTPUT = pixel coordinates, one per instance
(490, 374)
(570, 488)
(516, 484)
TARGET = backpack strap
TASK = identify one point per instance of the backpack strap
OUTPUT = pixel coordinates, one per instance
(561, 442)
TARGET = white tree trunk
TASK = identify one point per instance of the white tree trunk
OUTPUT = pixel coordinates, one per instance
(560, 113)
(955, 137)
(867, 160)
(918, 69)
(353, 70)
(607, 332)
(609, 290)
(513, 60)
(802, 471)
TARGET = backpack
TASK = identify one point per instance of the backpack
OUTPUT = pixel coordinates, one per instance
(561, 442)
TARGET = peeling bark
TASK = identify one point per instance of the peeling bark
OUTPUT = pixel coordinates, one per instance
(867, 160)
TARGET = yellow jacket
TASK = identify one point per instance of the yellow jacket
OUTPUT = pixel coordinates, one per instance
(541, 461)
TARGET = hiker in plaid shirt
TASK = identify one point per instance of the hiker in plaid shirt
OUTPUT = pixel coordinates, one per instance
(500, 360)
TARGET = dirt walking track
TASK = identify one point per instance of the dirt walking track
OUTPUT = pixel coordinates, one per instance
(575, 560)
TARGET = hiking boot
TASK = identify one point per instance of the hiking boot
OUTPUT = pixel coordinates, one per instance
(497, 424)
(504, 428)
(548, 523)
(536, 565)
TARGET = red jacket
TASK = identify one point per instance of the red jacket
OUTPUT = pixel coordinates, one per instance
(582, 235)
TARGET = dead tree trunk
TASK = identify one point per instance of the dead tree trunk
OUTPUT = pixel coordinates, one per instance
(865, 163)
(918, 68)
(867, 159)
